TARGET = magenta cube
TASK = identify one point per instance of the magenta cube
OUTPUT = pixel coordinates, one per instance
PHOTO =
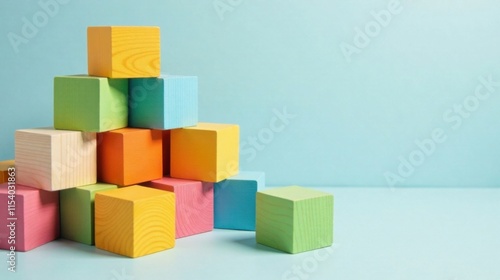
(35, 221)
(194, 204)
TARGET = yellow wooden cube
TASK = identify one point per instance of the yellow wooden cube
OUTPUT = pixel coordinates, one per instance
(123, 51)
(206, 152)
(134, 221)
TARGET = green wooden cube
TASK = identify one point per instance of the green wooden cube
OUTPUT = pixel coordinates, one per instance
(77, 212)
(91, 104)
(294, 219)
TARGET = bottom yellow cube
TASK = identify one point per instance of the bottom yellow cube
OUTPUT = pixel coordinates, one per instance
(134, 221)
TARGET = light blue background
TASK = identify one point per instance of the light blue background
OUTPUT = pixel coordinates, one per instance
(353, 120)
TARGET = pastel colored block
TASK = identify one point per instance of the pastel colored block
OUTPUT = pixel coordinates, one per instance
(35, 220)
(193, 203)
(166, 152)
(90, 104)
(129, 156)
(164, 103)
(4, 170)
(206, 152)
(123, 51)
(77, 212)
(234, 200)
(134, 221)
(53, 160)
(294, 219)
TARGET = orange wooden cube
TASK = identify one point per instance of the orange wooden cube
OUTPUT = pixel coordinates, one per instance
(129, 156)
(4, 167)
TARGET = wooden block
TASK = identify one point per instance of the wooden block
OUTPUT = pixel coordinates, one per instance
(53, 160)
(37, 217)
(129, 156)
(90, 104)
(294, 219)
(166, 152)
(4, 166)
(163, 103)
(234, 200)
(207, 152)
(77, 212)
(123, 51)
(193, 204)
(134, 221)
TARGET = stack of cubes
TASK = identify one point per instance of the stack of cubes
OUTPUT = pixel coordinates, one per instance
(128, 167)
(127, 164)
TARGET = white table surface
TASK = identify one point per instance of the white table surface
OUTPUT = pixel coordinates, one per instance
(380, 233)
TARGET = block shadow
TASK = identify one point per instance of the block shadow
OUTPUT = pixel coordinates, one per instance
(251, 244)
(90, 250)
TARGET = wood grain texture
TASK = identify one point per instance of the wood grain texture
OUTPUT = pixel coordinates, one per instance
(294, 219)
(193, 203)
(37, 214)
(123, 51)
(166, 102)
(4, 166)
(77, 212)
(206, 152)
(135, 221)
(90, 104)
(53, 160)
(129, 156)
(234, 200)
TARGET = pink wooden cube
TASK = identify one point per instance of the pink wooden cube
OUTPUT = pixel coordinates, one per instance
(32, 220)
(194, 204)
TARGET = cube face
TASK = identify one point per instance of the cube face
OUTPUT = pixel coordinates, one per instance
(37, 214)
(53, 160)
(274, 222)
(77, 212)
(313, 231)
(4, 170)
(130, 156)
(123, 51)
(234, 201)
(135, 221)
(206, 152)
(163, 103)
(193, 154)
(90, 104)
(114, 225)
(194, 204)
(294, 219)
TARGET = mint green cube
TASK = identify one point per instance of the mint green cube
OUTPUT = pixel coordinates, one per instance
(77, 212)
(294, 219)
(90, 104)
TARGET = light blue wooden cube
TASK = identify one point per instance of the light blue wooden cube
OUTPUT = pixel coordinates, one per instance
(163, 103)
(234, 201)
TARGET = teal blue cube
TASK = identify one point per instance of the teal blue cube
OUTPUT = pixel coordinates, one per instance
(234, 201)
(166, 102)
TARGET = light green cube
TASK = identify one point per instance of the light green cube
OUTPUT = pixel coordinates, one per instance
(77, 212)
(294, 219)
(90, 104)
